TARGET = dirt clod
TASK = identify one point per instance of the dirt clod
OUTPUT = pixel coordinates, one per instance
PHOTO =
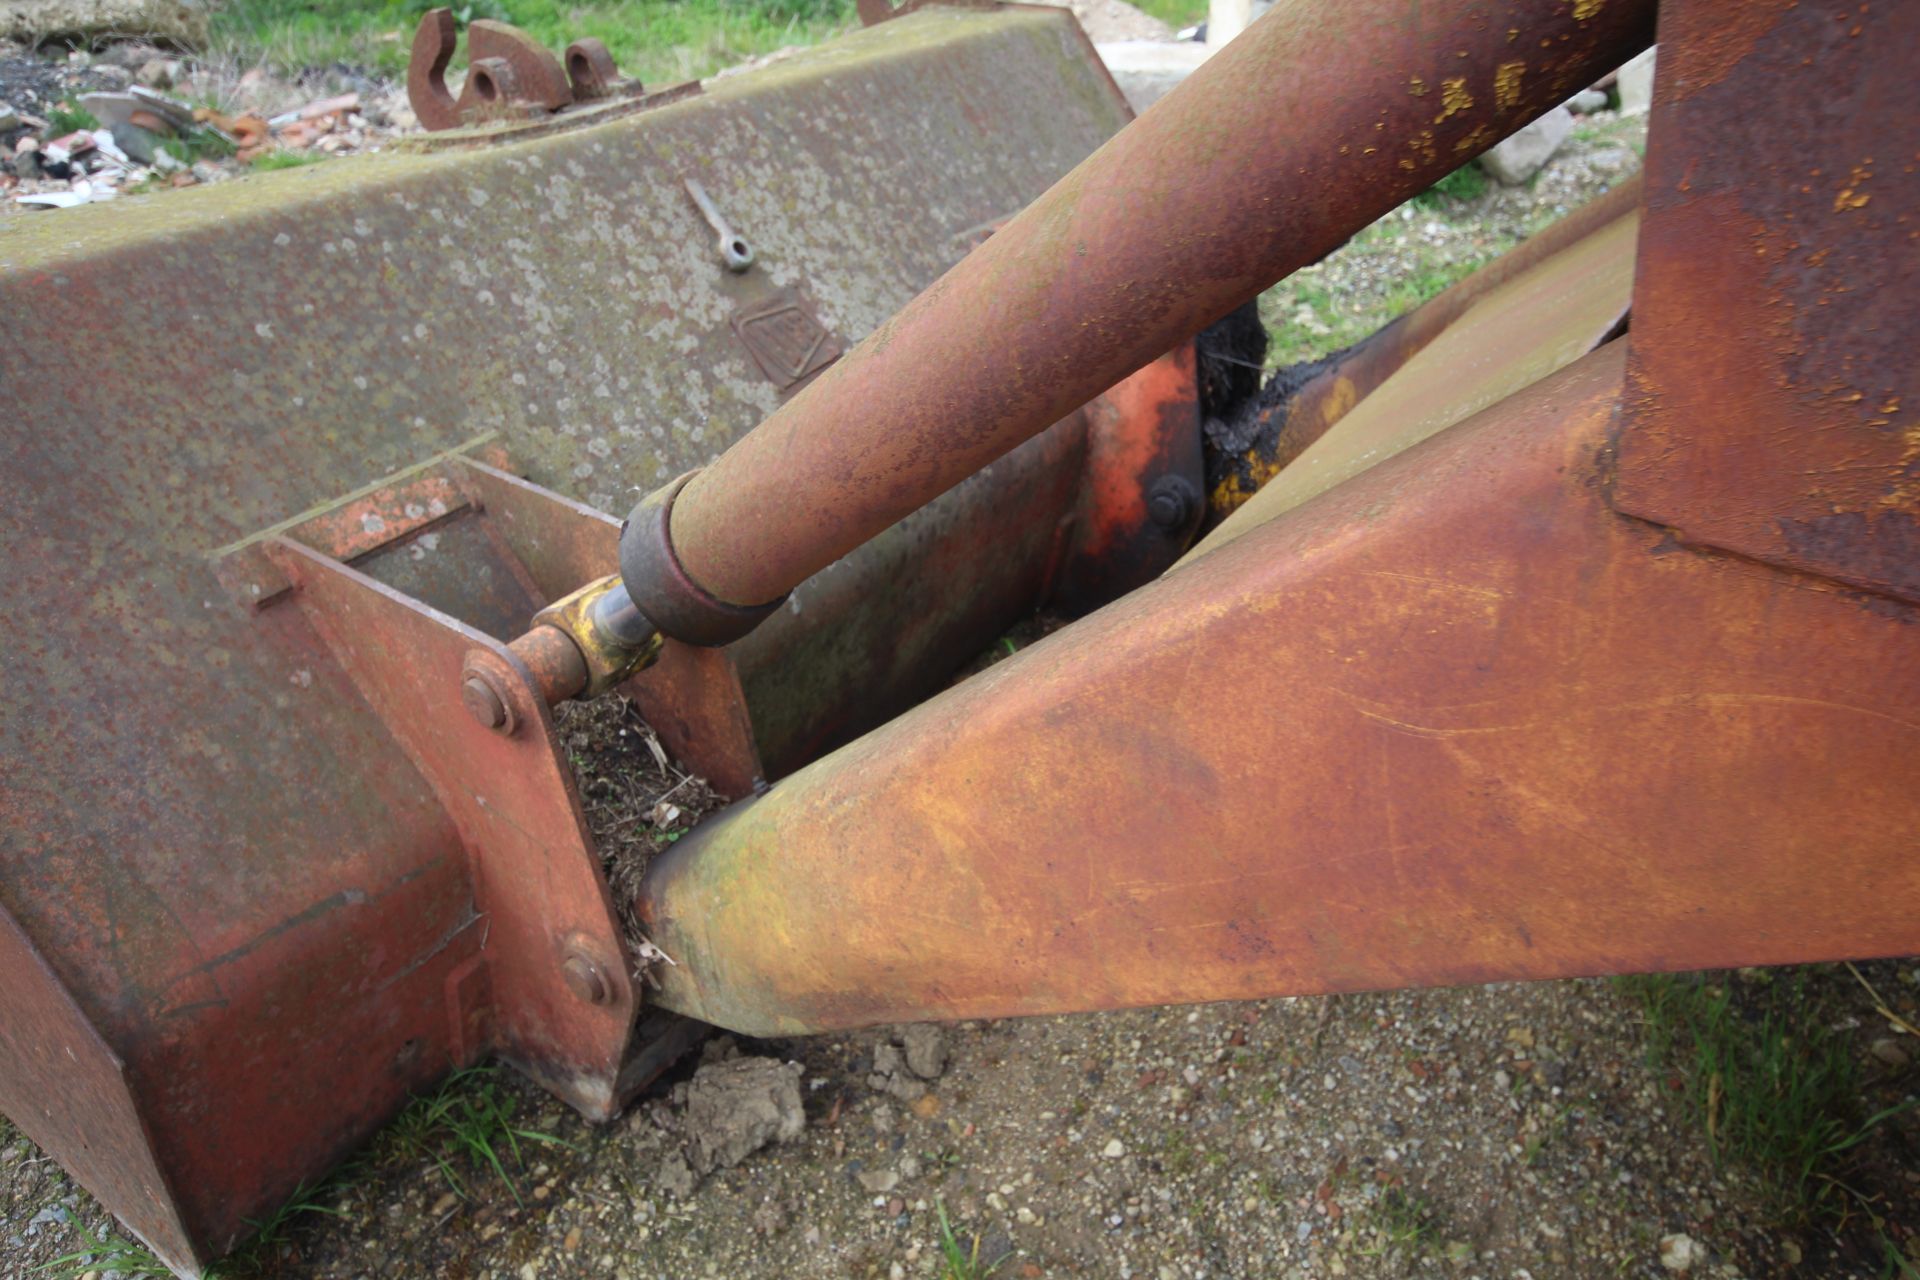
(926, 1049)
(903, 1065)
(728, 1111)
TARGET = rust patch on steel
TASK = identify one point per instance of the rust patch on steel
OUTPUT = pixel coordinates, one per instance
(227, 858)
(590, 70)
(890, 622)
(536, 879)
(1774, 382)
(69, 1092)
(691, 697)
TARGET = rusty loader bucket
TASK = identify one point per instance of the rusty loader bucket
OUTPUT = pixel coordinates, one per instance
(1565, 627)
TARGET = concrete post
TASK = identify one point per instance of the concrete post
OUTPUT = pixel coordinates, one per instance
(1227, 19)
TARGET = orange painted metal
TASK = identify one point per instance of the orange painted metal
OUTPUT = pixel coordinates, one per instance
(1141, 497)
(1318, 119)
(1283, 430)
(1456, 720)
(1776, 396)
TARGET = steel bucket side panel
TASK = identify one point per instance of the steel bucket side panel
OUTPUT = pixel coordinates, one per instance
(58, 1078)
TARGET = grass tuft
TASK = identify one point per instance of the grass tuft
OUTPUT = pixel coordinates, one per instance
(105, 1254)
(466, 1116)
(65, 118)
(305, 1200)
(1463, 186)
(1402, 1221)
(1770, 1082)
(958, 1262)
(281, 158)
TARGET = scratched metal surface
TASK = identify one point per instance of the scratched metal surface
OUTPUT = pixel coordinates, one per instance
(222, 853)
(1457, 720)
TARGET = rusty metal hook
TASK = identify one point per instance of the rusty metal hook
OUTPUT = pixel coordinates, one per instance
(590, 69)
(508, 71)
(433, 44)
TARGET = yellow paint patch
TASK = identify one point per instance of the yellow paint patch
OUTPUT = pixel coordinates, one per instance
(1851, 197)
(1905, 496)
(1339, 400)
(1417, 87)
(1506, 84)
(1422, 142)
(1454, 97)
(1584, 9)
(1479, 140)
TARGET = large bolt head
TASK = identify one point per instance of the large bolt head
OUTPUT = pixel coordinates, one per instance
(586, 979)
(484, 703)
(1172, 503)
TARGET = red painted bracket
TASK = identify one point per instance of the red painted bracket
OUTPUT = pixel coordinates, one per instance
(553, 989)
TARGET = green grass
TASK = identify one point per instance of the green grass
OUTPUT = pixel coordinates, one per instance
(108, 1255)
(466, 1122)
(199, 143)
(284, 159)
(65, 118)
(1175, 13)
(1305, 319)
(958, 1262)
(1894, 1264)
(1401, 1221)
(656, 40)
(1463, 185)
(1758, 1066)
(466, 1116)
(305, 1200)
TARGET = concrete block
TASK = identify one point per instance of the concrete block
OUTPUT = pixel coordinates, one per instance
(1147, 70)
(1635, 83)
(1519, 157)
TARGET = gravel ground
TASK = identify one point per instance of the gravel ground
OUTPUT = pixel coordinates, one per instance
(1506, 1131)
